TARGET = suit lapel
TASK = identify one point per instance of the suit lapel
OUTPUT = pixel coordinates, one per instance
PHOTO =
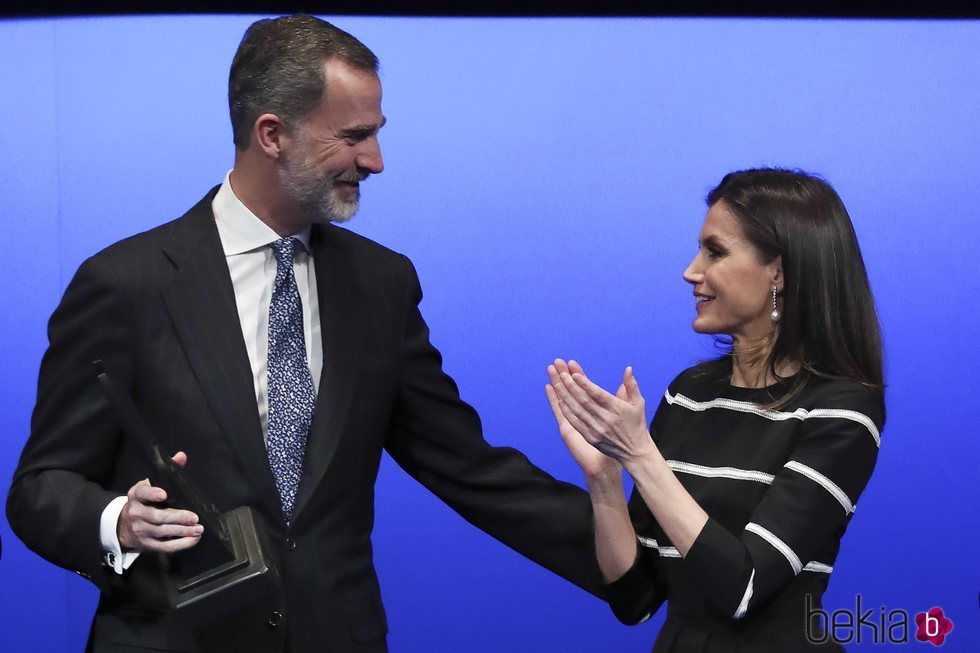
(341, 304)
(201, 303)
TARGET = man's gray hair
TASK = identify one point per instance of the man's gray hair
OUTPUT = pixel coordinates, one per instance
(278, 69)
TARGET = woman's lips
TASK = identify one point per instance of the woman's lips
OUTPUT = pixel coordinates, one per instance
(701, 300)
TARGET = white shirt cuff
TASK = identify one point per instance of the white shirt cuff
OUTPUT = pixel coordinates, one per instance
(113, 556)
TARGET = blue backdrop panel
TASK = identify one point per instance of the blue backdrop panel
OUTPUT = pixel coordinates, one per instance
(546, 177)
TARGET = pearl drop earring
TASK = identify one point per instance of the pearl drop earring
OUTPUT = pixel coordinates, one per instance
(775, 315)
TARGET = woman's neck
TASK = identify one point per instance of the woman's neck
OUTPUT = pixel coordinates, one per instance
(750, 368)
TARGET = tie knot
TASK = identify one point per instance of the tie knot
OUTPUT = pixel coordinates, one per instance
(284, 249)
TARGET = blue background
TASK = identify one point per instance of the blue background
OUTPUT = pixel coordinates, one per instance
(546, 176)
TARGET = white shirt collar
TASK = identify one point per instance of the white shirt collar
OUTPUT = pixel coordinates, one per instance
(241, 230)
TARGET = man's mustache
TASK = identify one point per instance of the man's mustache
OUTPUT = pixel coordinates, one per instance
(355, 178)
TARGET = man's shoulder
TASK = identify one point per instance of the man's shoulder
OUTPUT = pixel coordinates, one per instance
(374, 262)
(337, 236)
(374, 268)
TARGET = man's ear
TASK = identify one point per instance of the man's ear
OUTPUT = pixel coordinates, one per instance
(268, 133)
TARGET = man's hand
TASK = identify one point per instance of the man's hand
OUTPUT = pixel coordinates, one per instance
(144, 526)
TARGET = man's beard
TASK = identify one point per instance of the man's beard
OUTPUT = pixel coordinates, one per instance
(316, 193)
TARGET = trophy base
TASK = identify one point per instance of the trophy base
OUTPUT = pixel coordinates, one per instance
(247, 575)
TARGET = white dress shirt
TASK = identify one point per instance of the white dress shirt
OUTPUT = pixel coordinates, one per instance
(246, 242)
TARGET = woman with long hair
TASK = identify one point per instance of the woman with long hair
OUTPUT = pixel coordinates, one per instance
(753, 463)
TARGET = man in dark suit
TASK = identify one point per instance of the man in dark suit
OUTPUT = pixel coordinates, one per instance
(278, 354)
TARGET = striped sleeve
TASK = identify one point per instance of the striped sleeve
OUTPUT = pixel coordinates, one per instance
(807, 507)
(642, 590)
(639, 592)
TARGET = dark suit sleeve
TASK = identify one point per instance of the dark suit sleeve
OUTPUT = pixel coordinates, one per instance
(438, 440)
(57, 495)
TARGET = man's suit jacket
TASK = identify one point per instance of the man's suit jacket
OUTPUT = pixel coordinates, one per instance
(159, 310)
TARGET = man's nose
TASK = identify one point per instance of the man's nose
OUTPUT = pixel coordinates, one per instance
(369, 158)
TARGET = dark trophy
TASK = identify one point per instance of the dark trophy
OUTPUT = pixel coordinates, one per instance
(230, 565)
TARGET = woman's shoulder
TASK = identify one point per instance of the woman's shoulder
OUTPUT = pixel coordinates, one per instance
(710, 372)
(841, 394)
(702, 381)
(710, 382)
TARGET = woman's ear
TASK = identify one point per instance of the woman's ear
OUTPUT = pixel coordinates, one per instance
(776, 267)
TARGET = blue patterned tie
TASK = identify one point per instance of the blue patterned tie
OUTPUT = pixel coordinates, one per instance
(291, 391)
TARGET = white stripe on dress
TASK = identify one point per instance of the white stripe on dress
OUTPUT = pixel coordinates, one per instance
(743, 605)
(672, 552)
(778, 544)
(720, 472)
(823, 482)
(663, 551)
(775, 415)
(818, 567)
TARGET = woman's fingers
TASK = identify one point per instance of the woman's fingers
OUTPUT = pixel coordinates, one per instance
(570, 406)
(614, 424)
(583, 399)
(549, 391)
(580, 378)
(606, 417)
(602, 398)
(554, 391)
(621, 392)
(632, 387)
(604, 408)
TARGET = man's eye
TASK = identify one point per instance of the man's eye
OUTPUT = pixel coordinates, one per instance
(356, 137)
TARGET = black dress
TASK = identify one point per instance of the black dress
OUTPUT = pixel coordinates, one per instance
(779, 488)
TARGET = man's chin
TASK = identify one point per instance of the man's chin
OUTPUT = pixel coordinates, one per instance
(338, 212)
